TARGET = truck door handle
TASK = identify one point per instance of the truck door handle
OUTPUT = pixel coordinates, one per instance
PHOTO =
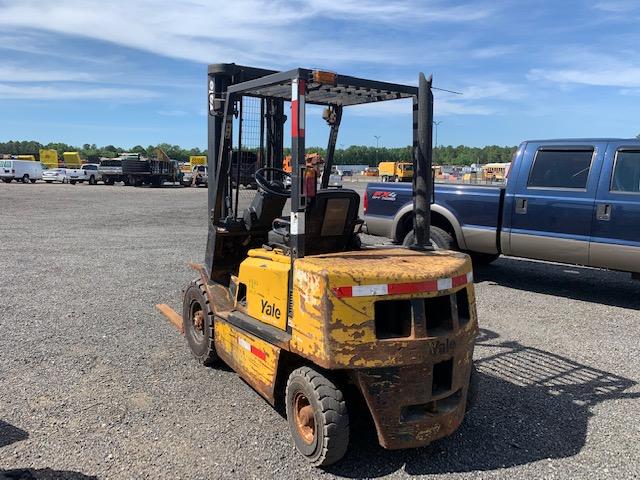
(603, 212)
(521, 206)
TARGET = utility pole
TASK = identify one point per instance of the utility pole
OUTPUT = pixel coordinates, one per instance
(377, 137)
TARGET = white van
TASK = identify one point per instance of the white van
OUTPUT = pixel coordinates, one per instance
(22, 170)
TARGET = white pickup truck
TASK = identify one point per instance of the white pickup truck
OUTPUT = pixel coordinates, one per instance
(86, 173)
(200, 172)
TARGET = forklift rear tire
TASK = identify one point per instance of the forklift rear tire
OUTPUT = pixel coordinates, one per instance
(317, 416)
(197, 319)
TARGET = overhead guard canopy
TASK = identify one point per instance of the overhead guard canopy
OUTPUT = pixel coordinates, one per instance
(345, 91)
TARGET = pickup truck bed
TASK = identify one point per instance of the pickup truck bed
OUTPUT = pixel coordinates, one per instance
(570, 201)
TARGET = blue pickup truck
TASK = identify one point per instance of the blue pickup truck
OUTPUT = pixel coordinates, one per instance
(570, 201)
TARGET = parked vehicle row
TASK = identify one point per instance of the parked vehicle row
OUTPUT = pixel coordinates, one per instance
(569, 201)
(130, 171)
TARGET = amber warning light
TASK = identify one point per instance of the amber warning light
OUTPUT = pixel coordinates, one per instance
(324, 77)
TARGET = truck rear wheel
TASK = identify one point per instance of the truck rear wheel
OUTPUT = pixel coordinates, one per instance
(439, 238)
(483, 258)
(25, 178)
(197, 318)
(92, 180)
(317, 416)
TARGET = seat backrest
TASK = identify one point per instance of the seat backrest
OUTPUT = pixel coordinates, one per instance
(330, 220)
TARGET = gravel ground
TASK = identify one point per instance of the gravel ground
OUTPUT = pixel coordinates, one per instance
(94, 382)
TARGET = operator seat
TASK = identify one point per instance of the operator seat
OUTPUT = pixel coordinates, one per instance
(330, 220)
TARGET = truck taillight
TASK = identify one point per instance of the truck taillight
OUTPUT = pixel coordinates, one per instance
(365, 202)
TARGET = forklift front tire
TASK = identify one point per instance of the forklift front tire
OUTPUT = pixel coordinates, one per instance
(317, 416)
(197, 319)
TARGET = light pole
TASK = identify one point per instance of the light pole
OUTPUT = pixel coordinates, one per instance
(377, 137)
(436, 135)
(436, 124)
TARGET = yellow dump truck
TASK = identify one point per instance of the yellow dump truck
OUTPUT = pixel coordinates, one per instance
(395, 171)
(49, 158)
(72, 159)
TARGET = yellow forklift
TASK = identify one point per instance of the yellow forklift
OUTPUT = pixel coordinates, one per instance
(290, 299)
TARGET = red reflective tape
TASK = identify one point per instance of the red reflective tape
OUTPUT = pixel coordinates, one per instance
(342, 292)
(459, 280)
(400, 288)
(294, 118)
(258, 353)
(403, 288)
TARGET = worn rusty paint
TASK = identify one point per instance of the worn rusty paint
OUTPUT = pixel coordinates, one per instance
(174, 317)
(394, 375)
(258, 371)
(392, 392)
(340, 332)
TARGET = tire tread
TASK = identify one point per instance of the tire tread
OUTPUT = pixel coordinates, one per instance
(333, 409)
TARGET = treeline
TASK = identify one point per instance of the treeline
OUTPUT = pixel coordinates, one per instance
(91, 152)
(353, 155)
(442, 155)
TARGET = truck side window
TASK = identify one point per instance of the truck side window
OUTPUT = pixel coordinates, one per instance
(561, 169)
(626, 172)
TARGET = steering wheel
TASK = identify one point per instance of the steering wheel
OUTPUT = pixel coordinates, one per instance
(274, 187)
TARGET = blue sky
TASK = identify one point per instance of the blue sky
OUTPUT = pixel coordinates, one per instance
(134, 72)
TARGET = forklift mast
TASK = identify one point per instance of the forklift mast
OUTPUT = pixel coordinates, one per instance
(250, 102)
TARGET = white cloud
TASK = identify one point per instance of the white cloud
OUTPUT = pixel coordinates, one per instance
(494, 90)
(616, 6)
(283, 32)
(583, 67)
(48, 92)
(595, 76)
(493, 51)
(13, 73)
(441, 107)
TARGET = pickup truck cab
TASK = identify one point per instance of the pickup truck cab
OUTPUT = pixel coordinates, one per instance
(86, 173)
(198, 175)
(569, 201)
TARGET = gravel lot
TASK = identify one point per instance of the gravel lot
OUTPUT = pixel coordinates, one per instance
(94, 382)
